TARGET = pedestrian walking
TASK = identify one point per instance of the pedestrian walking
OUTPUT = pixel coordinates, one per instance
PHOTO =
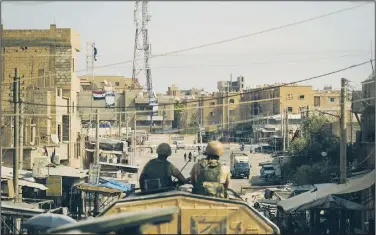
(185, 157)
(190, 156)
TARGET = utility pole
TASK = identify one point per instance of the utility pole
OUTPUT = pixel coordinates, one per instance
(97, 138)
(126, 120)
(134, 139)
(287, 128)
(90, 73)
(343, 133)
(21, 130)
(120, 125)
(228, 103)
(16, 131)
(283, 120)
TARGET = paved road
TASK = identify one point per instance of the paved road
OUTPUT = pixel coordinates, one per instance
(178, 160)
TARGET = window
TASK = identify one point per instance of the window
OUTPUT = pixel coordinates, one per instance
(66, 127)
(232, 101)
(59, 132)
(289, 109)
(332, 99)
(77, 95)
(212, 114)
(212, 103)
(73, 107)
(73, 64)
(301, 97)
(117, 84)
(290, 96)
(316, 101)
(77, 152)
(41, 78)
(32, 134)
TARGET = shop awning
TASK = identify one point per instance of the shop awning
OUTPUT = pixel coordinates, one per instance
(301, 201)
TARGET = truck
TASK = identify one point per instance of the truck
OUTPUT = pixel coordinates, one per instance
(239, 165)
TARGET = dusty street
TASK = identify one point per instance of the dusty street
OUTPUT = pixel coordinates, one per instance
(178, 160)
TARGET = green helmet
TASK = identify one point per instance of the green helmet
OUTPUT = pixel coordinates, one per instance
(164, 149)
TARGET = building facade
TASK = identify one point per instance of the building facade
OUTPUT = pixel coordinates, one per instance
(49, 87)
(119, 83)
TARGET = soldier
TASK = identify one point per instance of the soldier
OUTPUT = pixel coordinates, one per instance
(157, 172)
(208, 176)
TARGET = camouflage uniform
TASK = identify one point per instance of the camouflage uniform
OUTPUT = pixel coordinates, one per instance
(160, 169)
(157, 172)
(209, 178)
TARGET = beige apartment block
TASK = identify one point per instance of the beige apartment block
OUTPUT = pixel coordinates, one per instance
(268, 101)
(46, 62)
(120, 83)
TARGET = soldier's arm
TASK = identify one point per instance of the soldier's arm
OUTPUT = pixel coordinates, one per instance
(176, 173)
(228, 177)
(193, 174)
(141, 180)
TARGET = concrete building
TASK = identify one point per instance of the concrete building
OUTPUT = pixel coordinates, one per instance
(365, 114)
(269, 101)
(231, 86)
(120, 83)
(174, 91)
(128, 103)
(162, 120)
(46, 62)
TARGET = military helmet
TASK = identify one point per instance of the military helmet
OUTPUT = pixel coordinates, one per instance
(214, 148)
(164, 149)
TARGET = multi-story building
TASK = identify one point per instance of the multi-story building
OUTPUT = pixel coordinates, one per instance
(119, 83)
(231, 86)
(164, 117)
(46, 62)
(365, 114)
(270, 101)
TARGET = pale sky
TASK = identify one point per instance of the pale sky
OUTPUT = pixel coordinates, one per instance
(285, 55)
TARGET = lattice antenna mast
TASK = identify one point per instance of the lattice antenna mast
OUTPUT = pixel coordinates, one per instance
(142, 49)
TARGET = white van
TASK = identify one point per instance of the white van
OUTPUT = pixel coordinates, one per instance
(180, 144)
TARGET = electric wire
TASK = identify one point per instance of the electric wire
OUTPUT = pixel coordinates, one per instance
(226, 96)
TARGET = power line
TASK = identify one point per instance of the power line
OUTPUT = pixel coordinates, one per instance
(227, 96)
(184, 109)
(244, 36)
(231, 39)
(245, 64)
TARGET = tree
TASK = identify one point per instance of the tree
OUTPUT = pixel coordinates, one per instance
(308, 165)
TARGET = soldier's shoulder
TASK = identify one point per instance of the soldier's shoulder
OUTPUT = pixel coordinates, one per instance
(225, 168)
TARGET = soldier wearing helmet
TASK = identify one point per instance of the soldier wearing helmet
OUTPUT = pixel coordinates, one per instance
(157, 172)
(208, 176)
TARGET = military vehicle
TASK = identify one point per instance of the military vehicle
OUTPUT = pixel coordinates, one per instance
(176, 211)
(196, 214)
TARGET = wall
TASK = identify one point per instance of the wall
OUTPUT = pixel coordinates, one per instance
(85, 101)
(212, 111)
(120, 83)
(46, 62)
(290, 96)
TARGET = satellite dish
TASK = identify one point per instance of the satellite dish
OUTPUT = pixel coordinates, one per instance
(54, 138)
(324, 154)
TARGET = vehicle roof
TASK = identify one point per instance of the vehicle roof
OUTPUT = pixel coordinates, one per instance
(174, 193)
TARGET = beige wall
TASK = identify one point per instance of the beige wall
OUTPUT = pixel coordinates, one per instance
(46, 62)
(295, 97)
(120, 83)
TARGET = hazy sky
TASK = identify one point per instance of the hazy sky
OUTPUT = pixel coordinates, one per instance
(285, 55)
